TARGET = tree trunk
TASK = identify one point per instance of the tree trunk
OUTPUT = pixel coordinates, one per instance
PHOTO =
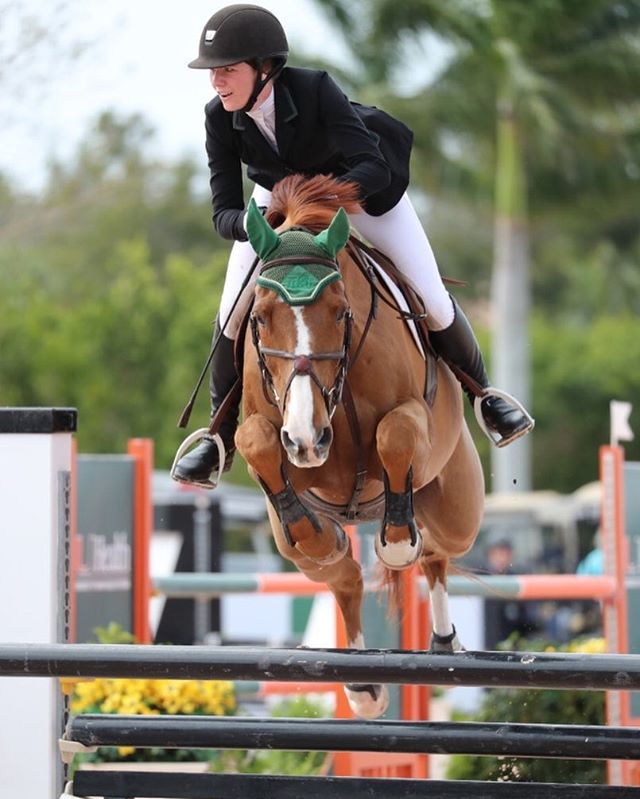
(510, 362)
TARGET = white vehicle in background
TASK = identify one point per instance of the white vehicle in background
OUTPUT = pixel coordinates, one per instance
(550, 532)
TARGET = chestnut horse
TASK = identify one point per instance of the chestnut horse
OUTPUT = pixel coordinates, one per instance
(335, 421)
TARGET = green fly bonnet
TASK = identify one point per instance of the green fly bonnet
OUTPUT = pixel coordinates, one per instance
(296, 264)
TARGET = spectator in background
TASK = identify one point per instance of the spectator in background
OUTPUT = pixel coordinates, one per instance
(502, 617)
(590, 611)
(593, 562)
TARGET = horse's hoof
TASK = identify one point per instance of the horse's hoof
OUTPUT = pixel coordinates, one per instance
(398, 555)
(445, 644)
(367, 701)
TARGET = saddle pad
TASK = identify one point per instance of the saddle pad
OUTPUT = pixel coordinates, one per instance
(399, 298)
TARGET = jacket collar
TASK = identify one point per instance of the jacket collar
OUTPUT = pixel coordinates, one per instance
(286, 113)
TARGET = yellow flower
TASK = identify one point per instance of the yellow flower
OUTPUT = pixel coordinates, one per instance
(589, 646)
(153, 697)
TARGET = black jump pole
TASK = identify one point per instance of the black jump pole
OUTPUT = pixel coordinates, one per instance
(342, 735)
(488, 669)
(252, 786)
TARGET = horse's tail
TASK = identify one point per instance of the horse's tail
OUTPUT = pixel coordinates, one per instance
(389, 579)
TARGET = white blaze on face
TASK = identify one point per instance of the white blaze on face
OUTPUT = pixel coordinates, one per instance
(299, 421)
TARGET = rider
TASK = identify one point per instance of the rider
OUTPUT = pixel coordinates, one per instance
(281, 120)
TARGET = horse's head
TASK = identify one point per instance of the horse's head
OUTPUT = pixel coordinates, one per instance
(301, 326)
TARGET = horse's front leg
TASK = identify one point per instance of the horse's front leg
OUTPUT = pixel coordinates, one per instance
(344, 579)
(403, 445)
(322, 541)
(323, 555)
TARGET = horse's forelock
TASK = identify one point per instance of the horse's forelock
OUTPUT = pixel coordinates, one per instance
(311, 202)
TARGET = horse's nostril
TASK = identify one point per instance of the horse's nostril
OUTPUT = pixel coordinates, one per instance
(325, 439)
(292, 445)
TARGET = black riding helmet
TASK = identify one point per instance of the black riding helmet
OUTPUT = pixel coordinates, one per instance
(243, 32)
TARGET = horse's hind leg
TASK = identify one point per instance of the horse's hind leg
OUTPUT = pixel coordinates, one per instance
(443, 636)
(344, 580)
(450, 507)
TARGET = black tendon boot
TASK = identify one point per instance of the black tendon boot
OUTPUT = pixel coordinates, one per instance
(197, 466)
(456, 344)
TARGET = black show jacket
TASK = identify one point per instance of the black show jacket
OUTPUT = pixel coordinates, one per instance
(318, 131)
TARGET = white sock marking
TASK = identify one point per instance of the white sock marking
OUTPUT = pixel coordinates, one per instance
(440, 610)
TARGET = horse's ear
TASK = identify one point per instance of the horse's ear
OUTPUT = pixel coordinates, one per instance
(262, 236)
(336, 235)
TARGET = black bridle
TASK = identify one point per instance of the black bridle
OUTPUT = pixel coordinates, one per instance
(303, 365)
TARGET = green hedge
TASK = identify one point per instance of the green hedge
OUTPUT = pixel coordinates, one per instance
(528, 706)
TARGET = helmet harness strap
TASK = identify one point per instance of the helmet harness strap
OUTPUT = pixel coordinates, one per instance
(261, 82)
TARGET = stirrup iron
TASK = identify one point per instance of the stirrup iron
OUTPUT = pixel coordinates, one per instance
(493, 435)
(196, 436)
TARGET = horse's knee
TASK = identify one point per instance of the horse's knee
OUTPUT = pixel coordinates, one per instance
(402, 442)
(397, 433)
(258, 442)
(255, 437)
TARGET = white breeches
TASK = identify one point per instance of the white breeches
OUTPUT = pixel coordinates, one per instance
(398, 234)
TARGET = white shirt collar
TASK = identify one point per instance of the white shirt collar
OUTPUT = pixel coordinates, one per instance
(264, 111)
(265, 119)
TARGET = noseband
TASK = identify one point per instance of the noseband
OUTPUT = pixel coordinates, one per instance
(303, 366)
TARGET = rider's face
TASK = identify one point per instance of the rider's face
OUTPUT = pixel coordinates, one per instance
(233, 84)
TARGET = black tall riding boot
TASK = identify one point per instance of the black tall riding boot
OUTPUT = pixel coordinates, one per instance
(457, 345)
(197, 466)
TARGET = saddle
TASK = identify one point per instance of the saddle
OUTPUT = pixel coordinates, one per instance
(369, 260)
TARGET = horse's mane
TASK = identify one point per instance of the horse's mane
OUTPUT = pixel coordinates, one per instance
(311, 202)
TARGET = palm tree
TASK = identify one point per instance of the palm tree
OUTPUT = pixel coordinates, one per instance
(531, 93)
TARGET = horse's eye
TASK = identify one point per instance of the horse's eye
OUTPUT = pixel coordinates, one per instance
(341, 314)
(260, 319)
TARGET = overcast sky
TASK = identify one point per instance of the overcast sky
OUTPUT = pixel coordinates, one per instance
(136, 63)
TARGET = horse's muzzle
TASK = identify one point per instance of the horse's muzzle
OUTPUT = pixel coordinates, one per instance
(307, 454)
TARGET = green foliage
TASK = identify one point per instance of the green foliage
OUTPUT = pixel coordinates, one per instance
(269, 762)
(509, 705)
(537, 707)
(113, 633)
(578, 369)
(278, 762)
(111, 280)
